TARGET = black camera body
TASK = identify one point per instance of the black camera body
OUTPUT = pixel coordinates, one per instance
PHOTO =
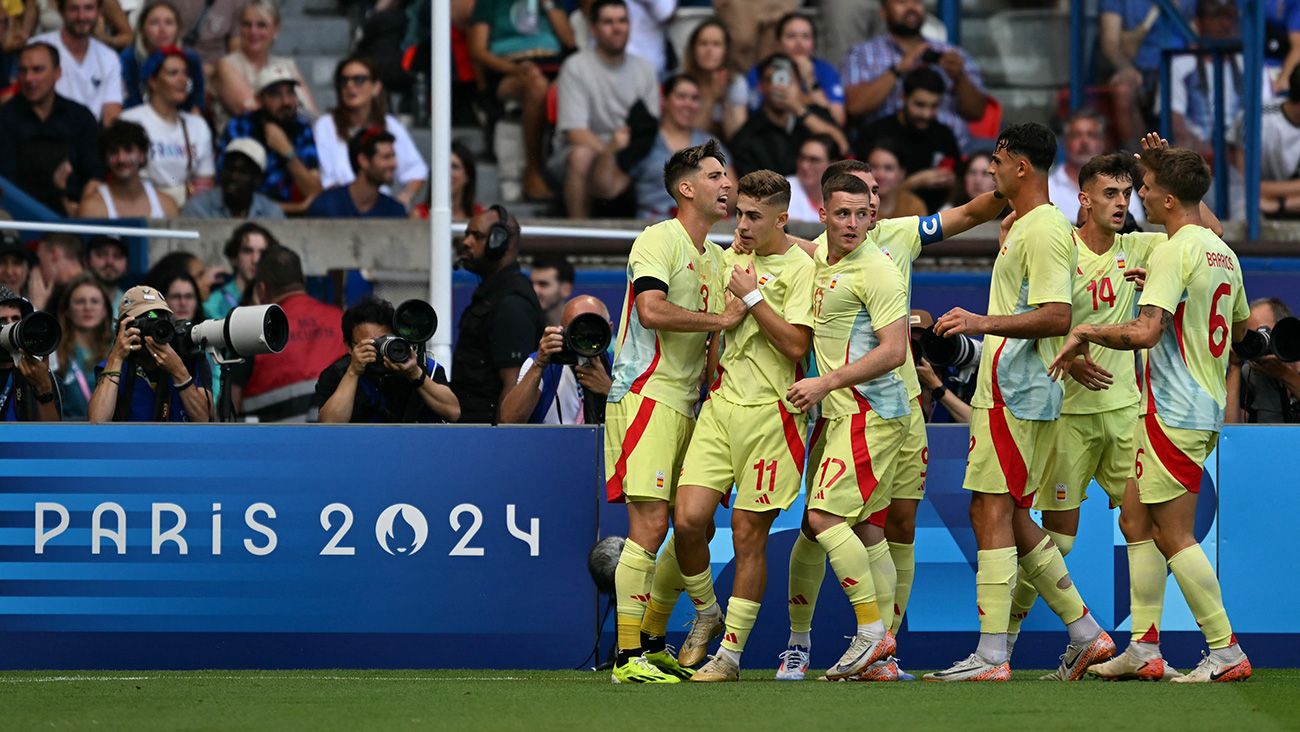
(162, 328)
(414, 323)
(959, 351)
(1282, 341)
(587, 336)
(394, 349)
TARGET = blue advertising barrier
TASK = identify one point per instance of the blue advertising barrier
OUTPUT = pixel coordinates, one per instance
(293, 547)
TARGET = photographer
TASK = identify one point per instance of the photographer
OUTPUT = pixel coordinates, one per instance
(946, 387)
(554, 390)
(364, 387)
(144, 380)
(1264, 390)
(27, 392)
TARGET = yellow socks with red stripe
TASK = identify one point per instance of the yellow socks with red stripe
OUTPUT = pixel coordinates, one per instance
(1201, 590)
(664, 591)
(807, 570)
(1044, 567)
(1025, 594)
(852, 566)
(885, 577)
(741, 616)
(632, 580)
(994, 577)
(904, 556)
(1147, 572)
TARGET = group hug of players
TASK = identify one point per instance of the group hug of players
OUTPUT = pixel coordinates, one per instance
(1060, 400)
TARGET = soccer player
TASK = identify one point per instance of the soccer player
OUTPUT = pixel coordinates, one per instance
(1192, 304)
(1014, 410)
(889, 534)
(747, 435)
(675, 298)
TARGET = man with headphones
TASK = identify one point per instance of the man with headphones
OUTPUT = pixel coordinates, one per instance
(503, 322)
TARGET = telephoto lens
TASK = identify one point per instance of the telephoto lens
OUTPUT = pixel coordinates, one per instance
(157, 326)
(393, 349)
(37, 334)
(587, 336)
(959, 351)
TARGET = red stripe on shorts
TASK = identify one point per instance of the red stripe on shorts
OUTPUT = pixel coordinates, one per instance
(1009, 457)
(862, 455)
(793, 439)
(614, 486)
(878, 518)
(1183, 468)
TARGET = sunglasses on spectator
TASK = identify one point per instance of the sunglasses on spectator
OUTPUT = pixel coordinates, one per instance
(357, 80)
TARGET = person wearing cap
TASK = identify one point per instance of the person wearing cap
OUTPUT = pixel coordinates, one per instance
(146, 381)
(375, 162)
(16, 262)
(106, 256)
(125, 192)
(27, 391)
(236, 196)
(180, 159)
(292, 164)
(234, 80)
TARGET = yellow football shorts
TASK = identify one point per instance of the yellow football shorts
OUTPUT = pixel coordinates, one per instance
(1170, 460)
(758, 448)
(913, 460)
(1007, 455)
(852, 464)
(645, 442)
(1088, 446)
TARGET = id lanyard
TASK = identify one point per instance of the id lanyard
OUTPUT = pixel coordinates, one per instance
(80, 376)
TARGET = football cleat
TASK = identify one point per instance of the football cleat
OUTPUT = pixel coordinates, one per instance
(861, 653)
(886, 669)
(664, 661)
(1211, 670)
(794, 663)
(1079, 656)
(704, 628)
(1129, 666)
(973, 668)
(637, 670)
(719, 668)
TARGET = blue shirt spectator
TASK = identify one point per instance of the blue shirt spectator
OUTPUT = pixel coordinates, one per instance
(827, 78)
(1163, 31)
(278, 184)
(292, 170)
(337, 203)
(134, 78)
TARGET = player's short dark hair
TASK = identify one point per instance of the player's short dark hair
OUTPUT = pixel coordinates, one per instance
(280, 269)
(844, 183)
(923, 78)
(790, 18)
(49, 48)
(372, 310)
(845, 167)
(1031, 141)
(236, 240)
(676, 80)
(600, 5)
(365, 142)
(766, 187)
(1280, 309)
(1179, 171)
(1120, 166)
(687, 161)
(828, 143)
(121, 135)
(561, 264)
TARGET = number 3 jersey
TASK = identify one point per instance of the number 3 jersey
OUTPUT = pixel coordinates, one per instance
(662, 365)
(1197, 278)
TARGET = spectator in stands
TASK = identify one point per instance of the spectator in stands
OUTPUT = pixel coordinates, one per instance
(362, 104)
(282, 387)
(1085, 139)
(92, 74)
(48, 145)
(597, 89)
(844, 23)
(874, 70)
(895, 200)
(1282, 41)
(724, 95)
(292, 172)
(180, 150)
(244, 249)
(753, 24)
(158, 28)
(503, 322)
(797, 37)
(554, 393)
(1265, 390)
(520, 48)
(614, 171)
(648, 39)
(165, 270)
(362, 387)
(552, 279)
(238, 79)
(1131, 35)
(1279, 157)
(25, 379)
(59, 257)
(182, 293)
(816, 153)
(86, 318)
(114, 26)
(129, 381)
(375, 162)
(772, 136)
(928, 147)
(972, 178)
(16, 264)
(106, 258)
(210, 27)
(126, 193)
(464, 183)
(235, 197)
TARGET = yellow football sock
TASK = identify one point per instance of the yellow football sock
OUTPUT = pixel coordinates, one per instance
(1044, 567)
(994, 577)
(851, 564)
(885, 577)
(664, 591)
(700, 589)
(1025, 594)
(1201, 590)
(741, 615)
(904, 556)
(1147, 572)
(807, 570)
(632, 579)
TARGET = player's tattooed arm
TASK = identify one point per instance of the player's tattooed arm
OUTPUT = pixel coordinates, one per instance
(1141, 332)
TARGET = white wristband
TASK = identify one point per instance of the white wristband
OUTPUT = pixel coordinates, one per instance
(752, 298)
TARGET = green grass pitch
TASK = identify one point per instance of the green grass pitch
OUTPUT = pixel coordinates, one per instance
(560, 700)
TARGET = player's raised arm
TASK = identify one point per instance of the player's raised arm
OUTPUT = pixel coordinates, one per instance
(980, 209)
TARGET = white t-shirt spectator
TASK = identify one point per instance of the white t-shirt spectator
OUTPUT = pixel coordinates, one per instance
(594, 96)
(1279, 141)
(649, 21)
(336, 169)
(566, 407)
(1192, 90)
(801, 209)
(95, 81)
(177, 154)
(1064, 192)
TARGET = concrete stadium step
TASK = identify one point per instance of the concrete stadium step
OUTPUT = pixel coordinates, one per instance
(314, 35)
(1026, 105)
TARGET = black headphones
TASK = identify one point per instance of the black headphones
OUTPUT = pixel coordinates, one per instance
(498, 234)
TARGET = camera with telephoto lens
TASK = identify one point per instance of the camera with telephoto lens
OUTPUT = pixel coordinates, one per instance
(156, 324)
(1282, 340)
(37, 334)
(414, 323)
(958, 351)
(587, 336)
(245, 331)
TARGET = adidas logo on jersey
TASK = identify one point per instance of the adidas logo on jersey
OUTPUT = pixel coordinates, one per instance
(763, 499)
(799, 600)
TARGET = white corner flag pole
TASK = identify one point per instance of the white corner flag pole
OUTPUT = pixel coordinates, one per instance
(440, 180)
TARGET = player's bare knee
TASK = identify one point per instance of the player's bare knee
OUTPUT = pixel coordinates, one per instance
(820, 521)
(900, 525)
